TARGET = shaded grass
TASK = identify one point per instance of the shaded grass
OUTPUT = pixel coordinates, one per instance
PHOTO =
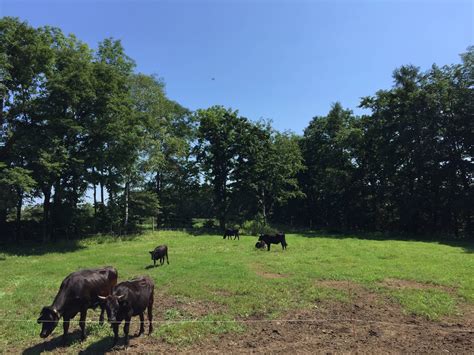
(222, 274)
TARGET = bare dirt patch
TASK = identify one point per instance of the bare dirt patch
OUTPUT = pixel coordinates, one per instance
(187, 308)
(270, 275)
(266, 274)
(368, 324)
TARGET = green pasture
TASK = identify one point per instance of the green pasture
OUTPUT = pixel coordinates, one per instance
(232, 279)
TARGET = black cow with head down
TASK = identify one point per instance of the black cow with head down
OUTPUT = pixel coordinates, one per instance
(129, 299)
(160, 253)
(260, 244)
(273, 239)
(78, 292)
(229, 233)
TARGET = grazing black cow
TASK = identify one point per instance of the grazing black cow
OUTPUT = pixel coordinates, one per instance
(78, 292)
(160, 252)
(229, 233)
(273, 239)
(260, 245)
(128, 299)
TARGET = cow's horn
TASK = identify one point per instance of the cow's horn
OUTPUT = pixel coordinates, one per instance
(102, 297)
(120, 297)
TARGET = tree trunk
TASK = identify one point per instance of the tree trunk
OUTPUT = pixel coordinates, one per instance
(18, 214)
(56, 210)
(101, 192)
(158, 184)
(127, 192)
(46, 208)
(94, 193)
(3, 223)
(264, 209)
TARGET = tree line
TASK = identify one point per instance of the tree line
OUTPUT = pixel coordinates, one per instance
(88, 145)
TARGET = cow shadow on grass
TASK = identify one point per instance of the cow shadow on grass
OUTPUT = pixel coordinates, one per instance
(56, 343)
(99, 347)
(106, 344)
(148, 267)
(467, 246)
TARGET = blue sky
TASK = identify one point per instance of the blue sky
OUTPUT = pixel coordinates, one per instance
(282, 60)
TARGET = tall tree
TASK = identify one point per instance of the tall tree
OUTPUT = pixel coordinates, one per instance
(217, 151)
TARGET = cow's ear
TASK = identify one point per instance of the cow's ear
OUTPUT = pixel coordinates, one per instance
(150, 252)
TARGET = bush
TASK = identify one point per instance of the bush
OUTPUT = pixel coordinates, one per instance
(256, 227)
(210, 224)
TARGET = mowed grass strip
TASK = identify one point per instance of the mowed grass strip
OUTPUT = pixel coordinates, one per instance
(232, 280)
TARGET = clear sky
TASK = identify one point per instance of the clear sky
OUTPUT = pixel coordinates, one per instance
(278, 59)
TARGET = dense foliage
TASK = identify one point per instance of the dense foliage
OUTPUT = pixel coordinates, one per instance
(87, 145)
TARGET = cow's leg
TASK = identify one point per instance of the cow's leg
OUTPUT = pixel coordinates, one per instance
(162, 260)
(150, 314)
(268, 246)
(101, 317)
(126, 329)
(142, 324)
(167, 260)
(154, 262)
(82, 323)
(115, 327)
(65, 328)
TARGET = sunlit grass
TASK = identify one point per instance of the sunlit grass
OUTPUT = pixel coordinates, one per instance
(233, 279)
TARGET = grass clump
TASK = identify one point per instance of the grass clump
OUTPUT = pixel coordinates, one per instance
(432, 304)
(188, 332)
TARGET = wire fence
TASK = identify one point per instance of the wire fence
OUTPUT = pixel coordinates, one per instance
(444, 326)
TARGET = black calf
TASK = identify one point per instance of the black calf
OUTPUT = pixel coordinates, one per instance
(229, 233)
(273, 239)
(129, 299)
(160, 252)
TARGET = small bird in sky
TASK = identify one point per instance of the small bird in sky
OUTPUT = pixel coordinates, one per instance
(213, 78)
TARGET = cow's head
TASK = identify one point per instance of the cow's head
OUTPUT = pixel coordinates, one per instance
(152, 253)
(260, 237)
(112, 304)
(49, 318)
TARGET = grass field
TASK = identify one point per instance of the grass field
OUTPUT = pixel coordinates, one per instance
(225, 280)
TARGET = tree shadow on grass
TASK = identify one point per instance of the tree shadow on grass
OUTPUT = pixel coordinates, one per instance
(33, 249)
(196, 232)
(56, 343)
(467, 246)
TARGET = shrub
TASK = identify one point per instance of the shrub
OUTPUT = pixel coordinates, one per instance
(210, 224)
(256, 227)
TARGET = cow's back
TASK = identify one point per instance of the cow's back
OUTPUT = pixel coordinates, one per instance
(85, 285)
(137, 292)
(160, 251)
